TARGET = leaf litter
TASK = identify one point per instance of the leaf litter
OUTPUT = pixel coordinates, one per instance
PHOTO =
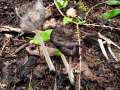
(97, 72)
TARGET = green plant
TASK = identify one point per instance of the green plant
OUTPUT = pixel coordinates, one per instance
(111, 14)
(57, 52)
(67, 20)
(45, 36)
(38, 39)
(75, 20)
(61, 3)
(30, 87)
(113, 2)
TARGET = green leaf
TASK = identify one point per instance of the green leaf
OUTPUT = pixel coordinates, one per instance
(30, 87)
(111, 14)
(113, 2)
(78, 20)
(61, 3)
(67, 20)
(57, 52)
(45, 35)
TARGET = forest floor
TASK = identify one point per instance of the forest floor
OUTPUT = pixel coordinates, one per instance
(97, 71)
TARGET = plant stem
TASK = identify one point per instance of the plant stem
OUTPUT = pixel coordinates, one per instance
(45, 52)
(108, 40)
(103, 49)
(68, 68)
(58, 9)
(112, 53)
(80, 57)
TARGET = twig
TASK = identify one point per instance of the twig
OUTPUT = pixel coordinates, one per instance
(4, 45)
(108, 40)
(103, 48)
(92, 9)
(9, 29)
(17, 13)
(112, 53)
(19, 49)
(68, 68)
(55, 85)
(70, 63)
(104, 26)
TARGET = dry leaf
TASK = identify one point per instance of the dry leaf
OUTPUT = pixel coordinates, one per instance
(71, 12)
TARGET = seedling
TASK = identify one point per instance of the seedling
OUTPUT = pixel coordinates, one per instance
(45, 36)
(39, 39)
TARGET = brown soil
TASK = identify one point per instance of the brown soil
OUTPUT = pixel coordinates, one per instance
(15, 70)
